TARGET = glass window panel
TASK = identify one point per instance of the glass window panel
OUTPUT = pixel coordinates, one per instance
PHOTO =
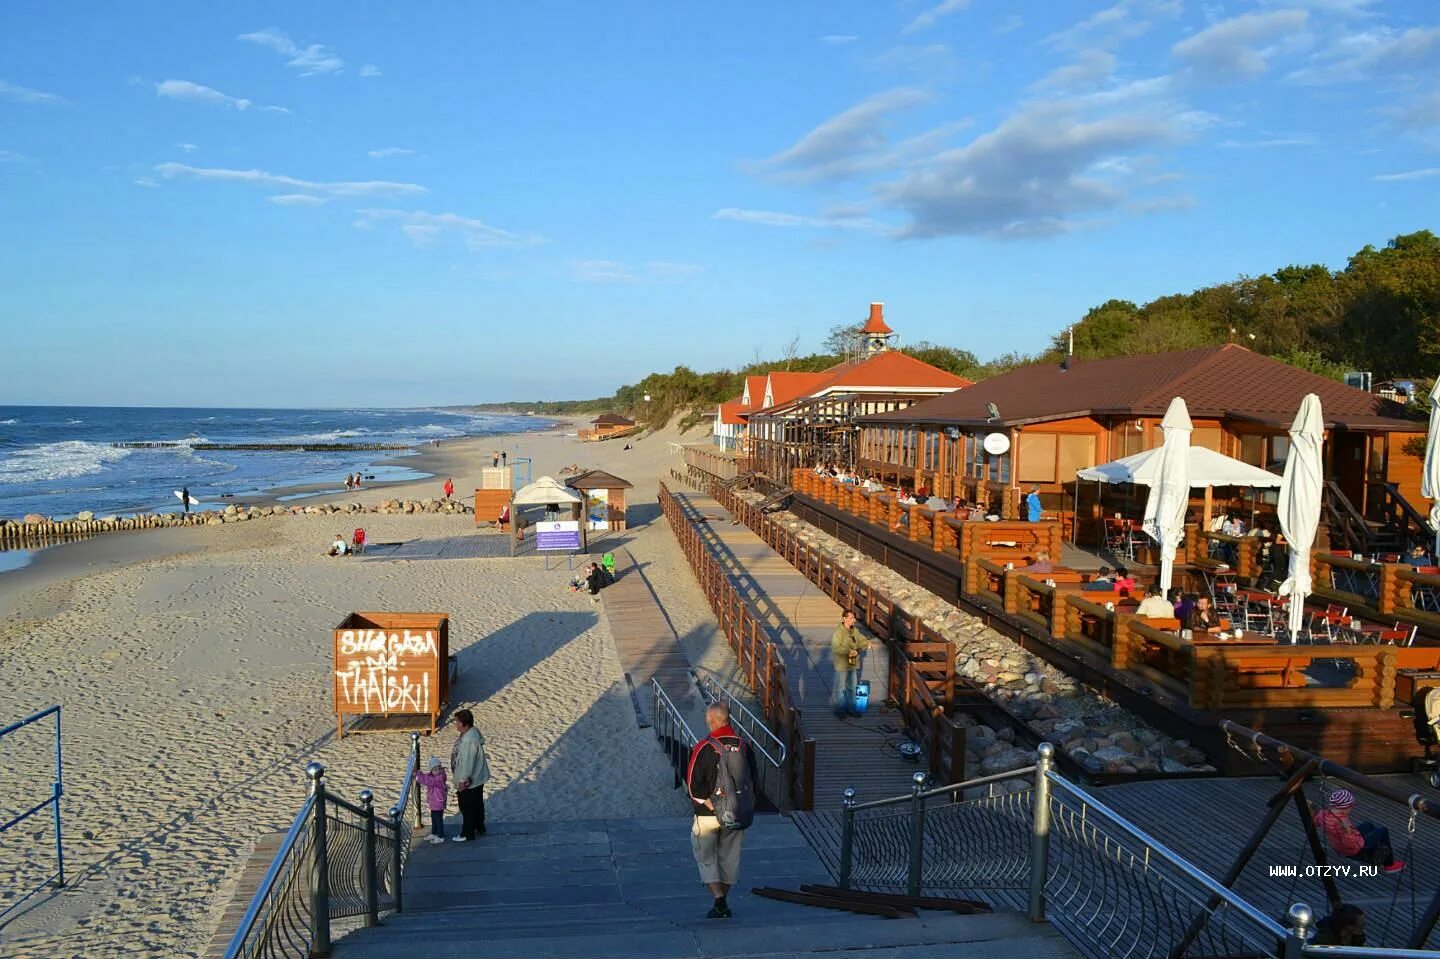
(1037, 457)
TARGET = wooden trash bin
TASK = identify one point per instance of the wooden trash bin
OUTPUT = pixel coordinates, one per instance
(489, 504)
(392, 665)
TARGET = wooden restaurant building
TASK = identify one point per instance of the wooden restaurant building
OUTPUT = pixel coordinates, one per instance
(1052, 421)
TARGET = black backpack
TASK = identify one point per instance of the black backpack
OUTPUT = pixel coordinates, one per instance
(734, 797)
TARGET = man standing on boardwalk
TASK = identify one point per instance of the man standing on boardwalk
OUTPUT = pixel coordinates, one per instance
(471, 771)
(716, 849)
(846, 645)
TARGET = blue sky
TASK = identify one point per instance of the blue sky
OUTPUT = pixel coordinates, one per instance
(385, 204)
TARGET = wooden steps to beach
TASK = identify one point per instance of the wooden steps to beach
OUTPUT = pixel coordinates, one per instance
(629, 888)
(850, 752)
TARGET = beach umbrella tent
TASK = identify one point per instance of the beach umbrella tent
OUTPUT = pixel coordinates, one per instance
(1430, 482)
(1204, 466)
(1170, 492)
(1299, 506)
(547, 492)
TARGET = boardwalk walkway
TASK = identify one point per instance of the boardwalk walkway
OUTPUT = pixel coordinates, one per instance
(647, 644)
(850, 752)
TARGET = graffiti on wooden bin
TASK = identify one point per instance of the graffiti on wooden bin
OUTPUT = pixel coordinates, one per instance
(381, 671)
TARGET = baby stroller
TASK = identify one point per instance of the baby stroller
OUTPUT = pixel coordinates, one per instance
(1427, 731)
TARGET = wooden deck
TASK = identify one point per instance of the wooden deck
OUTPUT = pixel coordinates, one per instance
(647, 644)
(255, 869)
(850, 752)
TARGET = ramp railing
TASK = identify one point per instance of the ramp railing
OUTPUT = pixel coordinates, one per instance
(338, 859)
(50, 802)
(674, 734)
(773, 758)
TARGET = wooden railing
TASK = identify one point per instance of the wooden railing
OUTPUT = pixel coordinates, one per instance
(922, 662)
(755, 651)
(1408, 523)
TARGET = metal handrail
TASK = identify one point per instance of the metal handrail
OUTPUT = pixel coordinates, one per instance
(1165, 852)
(751, 727)
(942, 790)
(292, 836)
(57, 789)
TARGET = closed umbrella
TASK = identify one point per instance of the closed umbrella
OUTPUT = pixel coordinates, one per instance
(1170, 492)
(1430, 482)
(1299, 506)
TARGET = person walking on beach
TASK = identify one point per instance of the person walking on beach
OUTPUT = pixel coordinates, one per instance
(717, 847)
(185, 497)
(449, 487)
(503, 456)
(494, 457)
(435, 798)
(472, 771)
(846, 645)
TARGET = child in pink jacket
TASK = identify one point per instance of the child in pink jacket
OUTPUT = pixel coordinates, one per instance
(434, 783)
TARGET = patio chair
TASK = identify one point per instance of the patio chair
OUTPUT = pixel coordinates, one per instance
(1257, 613)
(357, 541)
(1118, 540)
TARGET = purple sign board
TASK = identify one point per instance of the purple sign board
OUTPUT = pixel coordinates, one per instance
(558, 535)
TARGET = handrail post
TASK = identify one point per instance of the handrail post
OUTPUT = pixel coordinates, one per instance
(1040, 834)
(397, 869)
(319, 867)
(369, 871)
(415, 764)
(917, 834)
(1301, 917)
(57, 790)
(847, 835)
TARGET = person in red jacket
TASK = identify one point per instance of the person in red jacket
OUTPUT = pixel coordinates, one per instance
(449, 487)
(717, 851)
(1363, 841)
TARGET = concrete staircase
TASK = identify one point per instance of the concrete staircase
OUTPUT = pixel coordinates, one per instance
(628, 888)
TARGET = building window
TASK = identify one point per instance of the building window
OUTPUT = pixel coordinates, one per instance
(1037, 457)
(1279, 450)
(1252, 450)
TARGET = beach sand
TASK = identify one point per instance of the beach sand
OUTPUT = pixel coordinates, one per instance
(194, 666)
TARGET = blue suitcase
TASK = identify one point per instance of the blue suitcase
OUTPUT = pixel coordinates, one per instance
(862, 697)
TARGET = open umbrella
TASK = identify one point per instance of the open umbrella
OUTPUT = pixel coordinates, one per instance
(1170, 491)
(1299, 506)
(1430, 482)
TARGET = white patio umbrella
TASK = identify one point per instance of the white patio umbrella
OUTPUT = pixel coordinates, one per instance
(1299, 506)
(1169, 497)
(1430, 482)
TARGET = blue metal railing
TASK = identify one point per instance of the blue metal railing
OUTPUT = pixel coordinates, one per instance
(57, 789)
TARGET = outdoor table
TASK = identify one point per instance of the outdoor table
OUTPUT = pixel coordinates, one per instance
(1214, 639)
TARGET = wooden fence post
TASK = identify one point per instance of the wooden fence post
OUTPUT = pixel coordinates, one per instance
(1010, 591)
(1385, 600)
(1385, 677)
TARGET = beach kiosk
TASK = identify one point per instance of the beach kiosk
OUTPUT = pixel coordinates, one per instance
(552, 508)
(605, 498)
(393, 668)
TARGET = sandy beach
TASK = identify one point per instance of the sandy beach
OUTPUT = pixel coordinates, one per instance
(193, 666)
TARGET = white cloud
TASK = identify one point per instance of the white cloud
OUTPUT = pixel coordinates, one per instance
(11, 156)
(386, 152)
(1046, 169)
(370, 70)
(147, 182)
(298, 199)
(1424, 174)
(841, 217)
(1238, 48)
(1268, 143)
(187, 147)
(424, 229)
(1359, 55)
(1010, 24)
(836, 39)
(13, 91)
(1419, 114)
(613, 271)
(197, 93)
(1114, 25)
(342, 188)
(849, 143)
(309, 59)
(932, 16)
(1090, 69)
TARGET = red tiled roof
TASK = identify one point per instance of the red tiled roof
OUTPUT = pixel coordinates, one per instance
(730, 412)
(786, 385)
(1214, 380)
(891, 369)
(876, 323)
(756, 386)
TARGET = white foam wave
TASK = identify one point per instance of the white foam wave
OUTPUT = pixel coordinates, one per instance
(8, 422)
(58, 461)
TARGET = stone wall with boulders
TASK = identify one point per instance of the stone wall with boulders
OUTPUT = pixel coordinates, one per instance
(37, 530)
(1095, 732)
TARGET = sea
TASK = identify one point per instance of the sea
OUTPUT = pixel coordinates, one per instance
(60, 460)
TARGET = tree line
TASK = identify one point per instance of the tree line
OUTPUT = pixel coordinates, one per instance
(1380, 313)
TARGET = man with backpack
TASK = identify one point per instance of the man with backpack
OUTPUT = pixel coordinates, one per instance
(721, 782)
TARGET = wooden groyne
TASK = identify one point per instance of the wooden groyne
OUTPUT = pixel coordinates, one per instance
(36, 531)
(264, 447)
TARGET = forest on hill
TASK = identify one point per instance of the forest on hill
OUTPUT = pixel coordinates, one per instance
(1380, 313)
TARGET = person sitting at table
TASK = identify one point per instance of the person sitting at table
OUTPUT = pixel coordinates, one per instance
(1182, 602)
(1418, 558)
(1154, 605)
(1041, 564)
(1102, 583)
(1124, 582)
(1203, 618)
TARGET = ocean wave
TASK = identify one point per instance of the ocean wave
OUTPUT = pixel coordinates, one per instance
(8, 422)
(58, 460)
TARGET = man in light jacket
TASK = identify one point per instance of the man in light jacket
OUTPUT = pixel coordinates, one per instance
(471, 771)
(846, 645)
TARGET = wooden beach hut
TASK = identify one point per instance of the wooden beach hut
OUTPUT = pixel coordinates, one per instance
(604, 492)
(608, 426)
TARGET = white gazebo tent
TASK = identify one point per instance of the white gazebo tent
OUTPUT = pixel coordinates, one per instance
(1299, 507)
(549, 493)
(1169, 498)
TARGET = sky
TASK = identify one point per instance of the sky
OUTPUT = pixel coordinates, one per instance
(333, 204)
